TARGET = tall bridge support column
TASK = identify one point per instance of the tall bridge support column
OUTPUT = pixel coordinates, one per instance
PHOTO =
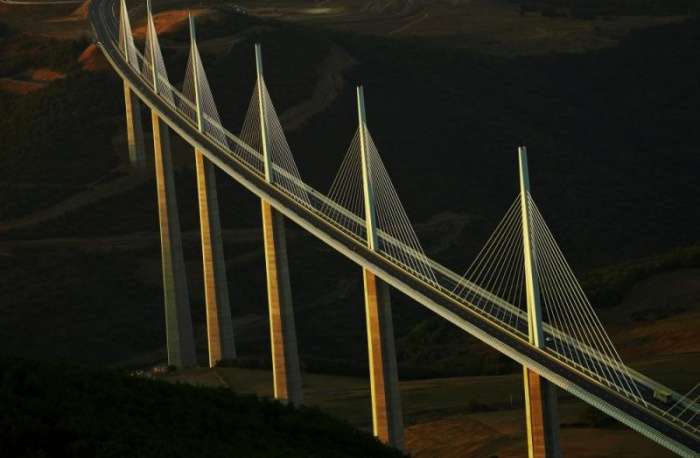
(134, 128)
(387, 419)
(286, 372)
(219, 324)
(541, 416)
(178, 318)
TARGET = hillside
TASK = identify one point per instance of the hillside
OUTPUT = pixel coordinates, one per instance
(64, 411)
(477, 417)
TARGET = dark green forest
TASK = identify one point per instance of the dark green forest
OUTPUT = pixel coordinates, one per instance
(54, 138)
(590, 9)
(50, 410)
(5, 30)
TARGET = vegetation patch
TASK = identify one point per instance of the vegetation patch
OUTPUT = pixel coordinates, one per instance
(590, 9)
(608, 286)
(5, 30)
(52, 410)
(56, 140)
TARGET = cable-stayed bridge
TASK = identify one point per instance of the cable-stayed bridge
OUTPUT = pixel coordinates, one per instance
(519, 295)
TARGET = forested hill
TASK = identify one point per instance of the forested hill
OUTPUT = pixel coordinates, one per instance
(588, 9)
(61, 411)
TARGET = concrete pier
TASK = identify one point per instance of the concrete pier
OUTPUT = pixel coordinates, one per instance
(178, 319)
(387, 417)
(286, 372)
(541, 413)
(283, 340)
(541, 416)
(134, 128)
(219, 325)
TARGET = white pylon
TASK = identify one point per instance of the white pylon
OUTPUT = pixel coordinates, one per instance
(532, 285)
(151, 32)
(195, 73)
(267, 160)
(367, 185)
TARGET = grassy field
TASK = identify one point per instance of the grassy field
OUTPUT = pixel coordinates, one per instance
(494, 27)
(466, 416)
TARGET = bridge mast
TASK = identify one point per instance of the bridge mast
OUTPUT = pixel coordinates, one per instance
(151, 33)
(369, 200)
(220, 336)
(178, 319)
(540, 395)
(532, 284)
(267, 161)
(286, 372)
(195, 73)
(387, 418)
(134, 125)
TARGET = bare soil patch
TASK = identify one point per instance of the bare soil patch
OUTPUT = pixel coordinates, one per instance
(82, 11)
(170, 21)
(467, 437)
(92, 59)
(46, 75)
(20, 87)
(676, 335)
(659, 316)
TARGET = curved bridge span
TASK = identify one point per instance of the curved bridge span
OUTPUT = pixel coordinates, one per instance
(580, 362)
